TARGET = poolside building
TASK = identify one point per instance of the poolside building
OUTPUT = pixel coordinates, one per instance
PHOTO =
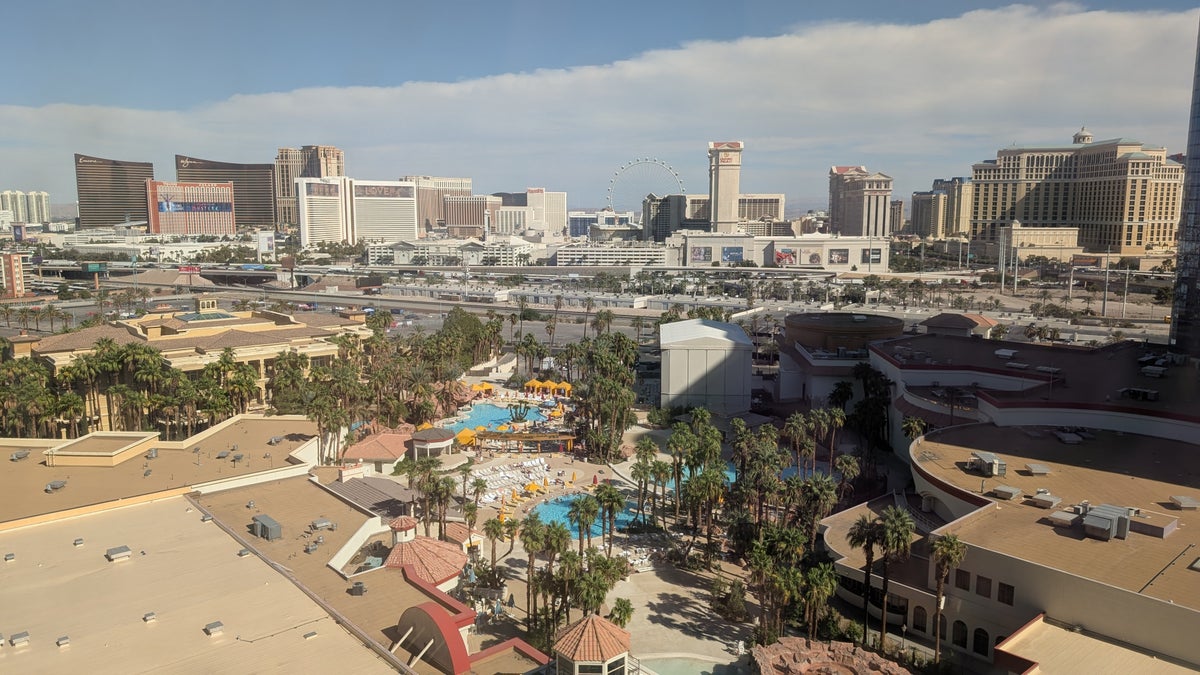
(592, 644)
(706, 364)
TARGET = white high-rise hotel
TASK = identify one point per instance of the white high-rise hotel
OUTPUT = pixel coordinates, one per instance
(340, 209)
(26, 207)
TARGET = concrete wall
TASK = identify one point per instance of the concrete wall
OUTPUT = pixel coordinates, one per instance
(718, 379)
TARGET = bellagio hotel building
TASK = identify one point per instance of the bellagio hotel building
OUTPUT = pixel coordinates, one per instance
(1123, 196)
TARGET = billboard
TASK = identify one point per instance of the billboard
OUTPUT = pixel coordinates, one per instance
(168, 205)
(266, 244)
(731, 254)
(384, 191)
(94, 267)
(872, 255)
(322, 189)
(189, 269)
(839, 256)
(787, 256)
(18, 230)
(701, 254)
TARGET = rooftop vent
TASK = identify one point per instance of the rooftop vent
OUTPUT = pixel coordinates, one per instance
(18, 639)
(214, 628)
(205, 518)
(78, 541)
(63, 641)
(149, 617)
(18, 455)
(153, 454)
(310, 635)
(9, 557)
(243, 553)
(55, 486)
(118, 553)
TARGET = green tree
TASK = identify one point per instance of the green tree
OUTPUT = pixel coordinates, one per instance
(896, 532)
(865, 533)
(493, 529)
(621, 612)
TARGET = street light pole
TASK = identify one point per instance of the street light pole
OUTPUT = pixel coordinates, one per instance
(1104, 302)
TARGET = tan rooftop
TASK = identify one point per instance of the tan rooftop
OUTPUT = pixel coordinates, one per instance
(187, 574)
(23, 484)
(1106, 468)
(434, 561)
(1052, 648)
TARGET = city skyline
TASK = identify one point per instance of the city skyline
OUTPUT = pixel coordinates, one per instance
(957, 87)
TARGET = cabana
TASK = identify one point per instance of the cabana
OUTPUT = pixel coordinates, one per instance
(561, 389)
(465, 437)
(534, 386)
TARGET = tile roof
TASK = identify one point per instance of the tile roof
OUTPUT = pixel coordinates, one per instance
(592, 639)
(402, 523)
(432, 560)
(434, 435)
(385, 446)
(86, 338)
(459, 534)
(381, 496)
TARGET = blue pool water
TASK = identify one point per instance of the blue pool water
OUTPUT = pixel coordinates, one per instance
(556, 509)
(492, 416)
(682, 665)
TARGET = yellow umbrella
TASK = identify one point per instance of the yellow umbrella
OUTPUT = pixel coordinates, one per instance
(501, 517)
(480, 428)
(503, 427)
(424, 426)
(546, 482)
(572, 476)
(465, 437)
(532, 487)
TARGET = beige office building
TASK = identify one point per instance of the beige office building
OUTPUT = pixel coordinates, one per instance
(860, 202)
(944, 211)
(1122, 194)
(724, 184)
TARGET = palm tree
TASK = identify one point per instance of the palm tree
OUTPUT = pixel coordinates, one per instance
(641, 473)
(493, 529)
(621, 612)
(896, 532)
(835, 418)
(533, 539)
(913, 426)
(512, 527)
(819, 495)
(611, 503)
(865, 534)
(820, 583)
(479, 488)
(848, 468)
(843, 393)
(795, 429)
(948, 553)
(661, 471)
(589, 510)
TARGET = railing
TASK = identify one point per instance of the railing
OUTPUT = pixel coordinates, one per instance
(924, 523)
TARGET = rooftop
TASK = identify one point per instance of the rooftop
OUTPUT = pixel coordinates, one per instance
(592, 639)
(1056, 649)
(1105, 468)
(434, 561)
(22, 484)
(1091, 377)
(187, 573)
(702, 329)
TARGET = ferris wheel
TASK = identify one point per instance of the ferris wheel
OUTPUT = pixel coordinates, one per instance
(637, 178)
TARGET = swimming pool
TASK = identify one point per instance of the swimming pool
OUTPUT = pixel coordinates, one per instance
(686, 665)
(491, 416)
(556, 510)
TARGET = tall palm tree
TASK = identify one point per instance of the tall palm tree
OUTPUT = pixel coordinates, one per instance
(848, 468)
(835, 418)
(589, 510)
(820, 583)
(896, 531)
(865, 534)
(661, 472)
(611, 502)
(795, 429)
(640, 472)
(493, 529)
(819, 496)
(533, 540)
(948, 553)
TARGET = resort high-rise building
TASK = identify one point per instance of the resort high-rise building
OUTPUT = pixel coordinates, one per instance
(1122, 194)
(549, 212)
(111, 191)
(724, 184)
(310, 161)
(860, 202)
(324, 209)
(1185, 314)
(191, 208)
(944, 211)
(470, 216)
(253, 186)
(383, 211)
(14, 202)
(37, 207)
(431, 194)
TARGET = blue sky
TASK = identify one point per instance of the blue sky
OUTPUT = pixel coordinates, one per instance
(559, 94)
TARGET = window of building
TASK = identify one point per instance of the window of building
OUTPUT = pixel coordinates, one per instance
(919, 618)
(959, 634)
(962, 579)
(983, 586)
(1005, 593)
(980, 642)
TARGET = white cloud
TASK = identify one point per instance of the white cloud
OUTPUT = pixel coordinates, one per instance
(915, 101)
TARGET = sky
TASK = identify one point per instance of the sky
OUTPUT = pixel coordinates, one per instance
(524, 93)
